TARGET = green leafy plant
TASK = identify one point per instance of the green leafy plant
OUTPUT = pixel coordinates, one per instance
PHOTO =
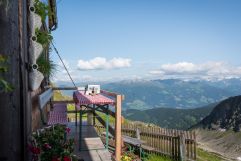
(47, 67)
(41, 9)
(43, 37)
(154, 157)
(52, 145)
(128, 156)
(4, 85)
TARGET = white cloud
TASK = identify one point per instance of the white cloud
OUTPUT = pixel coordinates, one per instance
(204, 70)
(99, 63)
(62, 75)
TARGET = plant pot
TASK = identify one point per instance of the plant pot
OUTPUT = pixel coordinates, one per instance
(35, 49)
(31, 3)
(35, 79)
(35, 22)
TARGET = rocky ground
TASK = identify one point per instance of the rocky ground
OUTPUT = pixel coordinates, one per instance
(225, 143)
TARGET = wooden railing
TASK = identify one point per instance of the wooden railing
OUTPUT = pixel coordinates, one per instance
(176, 144)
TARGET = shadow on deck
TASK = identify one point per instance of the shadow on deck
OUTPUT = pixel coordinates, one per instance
(92, 148)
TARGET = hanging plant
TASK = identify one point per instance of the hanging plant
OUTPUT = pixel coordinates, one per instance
(41, 9)
(4, 85)
(43, 37)
(47, 67)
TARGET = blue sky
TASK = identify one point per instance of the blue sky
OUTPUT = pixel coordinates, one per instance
(148, 39)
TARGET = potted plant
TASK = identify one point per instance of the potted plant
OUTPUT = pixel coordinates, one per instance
(52, 145)
(43, 37)
(47, 67)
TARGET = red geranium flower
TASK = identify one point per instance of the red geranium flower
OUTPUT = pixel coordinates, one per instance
(66, 158)
(55, 159)
(67, 129)
(34, 150)
(47, 146)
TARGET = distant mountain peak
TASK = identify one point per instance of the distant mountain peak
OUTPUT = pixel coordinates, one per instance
(226, 115)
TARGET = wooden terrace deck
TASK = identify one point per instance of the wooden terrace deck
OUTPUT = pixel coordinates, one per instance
(92, 147)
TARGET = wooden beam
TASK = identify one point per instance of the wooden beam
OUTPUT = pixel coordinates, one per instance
(118, 127)
(45, 97)
(64, 88)
(64, 101)
(112, 94)
(53, 21)
(110, 112)
(111, 130)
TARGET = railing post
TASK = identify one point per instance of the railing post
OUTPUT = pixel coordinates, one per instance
(94, 116)
(182, 147)
(107, 128)
(118, 128)
(80, 128)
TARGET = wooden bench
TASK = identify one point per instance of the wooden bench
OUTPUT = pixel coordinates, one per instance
(57, 118)
(60, 107)
(58, 115)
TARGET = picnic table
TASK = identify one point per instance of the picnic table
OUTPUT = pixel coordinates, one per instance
(93, 102)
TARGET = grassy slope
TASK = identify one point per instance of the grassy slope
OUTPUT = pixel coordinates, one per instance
(153, 157)
(203, 155)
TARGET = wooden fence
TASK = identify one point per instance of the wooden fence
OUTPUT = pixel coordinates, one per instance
(177, 144)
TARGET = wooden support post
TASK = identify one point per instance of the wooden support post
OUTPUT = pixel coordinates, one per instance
(182, 147)
(107, 129)
(80, 128)
(118, 128)
(89, 118)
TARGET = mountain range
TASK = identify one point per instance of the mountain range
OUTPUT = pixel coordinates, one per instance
(174, 93)
(168, 93)
(170, 117)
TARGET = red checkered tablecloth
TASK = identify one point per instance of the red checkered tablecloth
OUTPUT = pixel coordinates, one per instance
(56, 117)
(81, 99)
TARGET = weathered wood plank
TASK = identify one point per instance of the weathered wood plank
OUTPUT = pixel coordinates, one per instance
(118, 127)
(64, 101)
(109, 111)
(45, 97)
(112, 94)
(15, 111)
(64, 88)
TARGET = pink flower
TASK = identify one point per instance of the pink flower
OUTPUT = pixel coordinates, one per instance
(67, 130)
(66, 158)
(55, 159)
(34, 150)
(47, 146)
